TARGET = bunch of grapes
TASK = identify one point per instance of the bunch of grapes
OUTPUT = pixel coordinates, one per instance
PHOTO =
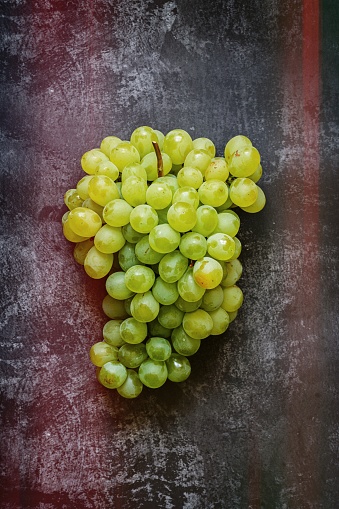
(155, 216)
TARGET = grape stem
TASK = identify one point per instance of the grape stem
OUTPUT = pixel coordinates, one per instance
(160, 165)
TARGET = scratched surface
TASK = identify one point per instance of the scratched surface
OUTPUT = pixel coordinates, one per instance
(256, 424)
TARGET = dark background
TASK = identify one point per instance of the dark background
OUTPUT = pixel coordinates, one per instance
(256, 424)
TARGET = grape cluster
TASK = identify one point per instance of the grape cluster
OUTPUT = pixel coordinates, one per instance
(155, 216)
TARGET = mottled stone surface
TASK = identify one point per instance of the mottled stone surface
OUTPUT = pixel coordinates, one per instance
(256, 424)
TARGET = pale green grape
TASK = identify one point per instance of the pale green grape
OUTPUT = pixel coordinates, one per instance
(69, 233)
(64, 217)
(116, 287)
(72, 199)
(132, 386)
(133, 170)
(156, 329)
(102, 189)
(123, 154)
(139, 278)
(205, 144)
(96, 264)
(130, 234)
(81, 249)
(233, 298)
(259, 203)
(114, 308)
(217, 170)
(243, 192)
(108, 144)
(256, 175)
(158, 348)
(212, 299)
(127, 257)
(109, 239)
(84, 222)
(170, 316)
(117, 212)
(177, 144)
(207, 272)
(184, 344)
(193, 245)
(160, 137)
(188, 288)
(112, 374)
(111, 332)
(132, 355)
(221, 246)
(132, 331)
(82, 187)
(199, 159)
(228, 222)
(172, 266)
(190, 177)
(142, 138)
(244, 162)
(159, 195)
(144, 307)
(90, 204)
(221, 321)
(150, 164)
(164, 239)
(143, 218)
(145, 253)
(170, 180)
(102, 352)
(237, 250)
(108, 169)
(185, 306)
(227, 205)
(236, 143)
(162, 215)
(178, 368)
(182, 216)
(213, 192)
(91, 159)
(233, 273)
(207, 220)
(165, 293)
(152, 373)
(188, 195)
(232, 315)
(197, 324)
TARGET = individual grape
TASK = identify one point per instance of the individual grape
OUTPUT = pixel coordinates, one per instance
(143, 218)
(82, 187)
(184, 344)
(244, 162)
(232, 315)
(108, 169)
(144, 307)
(116, 287)
(236, 143)
(91, 159)
(227, 205)
(177, 144)
(188, 288)
(84, 222)
(64, 217)
(109, 239)
(237, 250)
(132, 331)
(217, 170)
(97, 264)
(233, 273)
(81, 249)
(259, 203)
(152, 373)
(162, 215)
(123, 154)
(170, 316)
(228, 222)
(130, 234)
(165, 293)
(145, 253)
(156, 329)
(233, 298)
(150, 164)
(142, 138)
(114, 308)
(72, 199)
(204, 144)
(69, 233)
(132, 386)
(159, 195)
(127, 257)
(221, 321)
(158, 348)
(117, 212)
(207, 220)
(243, 192)
(188, 195)
(193, 245)
(170, 180)
(221, 246)
(111, 332)
(164, 239)
(133, 170)
(181, 216)
(139, 278)
(102, 189)
(178, 368)
(101, 352)
(172, 266)
(207, 272)
(212, 299)
(90, 204)
(256, 175)
(108, 144)
(185, 306)
(190, 177)
(213, 192)
(197, 324)
(112, 374)
(199, 159)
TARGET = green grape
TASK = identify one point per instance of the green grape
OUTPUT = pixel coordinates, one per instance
(244, 162)
(108, 144)
(207, 220)
(243, 192)
(131, 235)
(217, 170)
(127, 257)
(233, 298)
(108, 169)
(133, 190)
(91, 159)
(132, 386)
(188, 195)
(188, 288)
(256, 175)
(90, 204)
(84, 222)
(164, 239)
(197, 324)
(170, 316)
(190, 177)
(132, 331)
(259, 203)
(228, 222)
(158, 348)
(64, 217)
(109, 239)
(150, 164)
(111, 332)
(142, 138)
(212, 299)
(162, 215)
(123, 154)
(97, 264)
(112, 374)
(144, 307)
(221, 321)
(205, 144)
(82, 187)
(233, 273)
(102, 189)
(81, 249)
(156, 329)
(172, 266)
(143, 218)
(114, 308)
(178, 368)
(227, 205)
(145, 253)
(160, 137)
(232, 315)
(199, 159)
(117, 212)
(181, 216)
(184, 344)
(237, 250)
(69, 233)
(193, 245)
(101, 352)
(159, 195)
(170, 180)
(213, 192)
(133, 170)
(139, 278)
(236, 143)
(177, 144)
(185, 306)
(207, 272)
(165, 293)
(152, 373)
(72, 199)
(116, 287)
(221, 246)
